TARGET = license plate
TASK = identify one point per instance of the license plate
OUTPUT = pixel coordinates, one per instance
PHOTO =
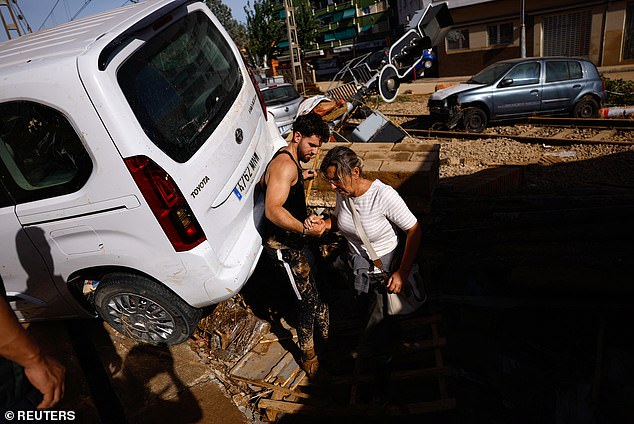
(248, 176)
(284, 128)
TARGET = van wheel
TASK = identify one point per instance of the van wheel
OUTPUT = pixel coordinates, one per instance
(587, 107)
(474, 120)
(144, 310)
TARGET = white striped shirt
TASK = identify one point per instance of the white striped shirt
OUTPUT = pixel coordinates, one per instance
(380, 209)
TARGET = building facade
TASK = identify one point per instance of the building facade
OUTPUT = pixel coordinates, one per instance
(484, 31)
(487, 31)
(348, 29)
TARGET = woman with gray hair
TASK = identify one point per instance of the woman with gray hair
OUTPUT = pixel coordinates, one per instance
(381, 211)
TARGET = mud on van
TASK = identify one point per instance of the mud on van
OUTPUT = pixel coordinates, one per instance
(129, 144)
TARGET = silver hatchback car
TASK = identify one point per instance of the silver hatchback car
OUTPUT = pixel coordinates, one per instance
(518, 88)
(282, 101)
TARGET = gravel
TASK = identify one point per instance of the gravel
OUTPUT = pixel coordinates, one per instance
(548, 167)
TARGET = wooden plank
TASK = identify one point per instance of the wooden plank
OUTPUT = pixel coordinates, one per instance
(276, 371)
(394, 376)
(354, 389)
(275, 388)
(419, 321)
(296, 378)
(442, 382)
(429, 344)
(357, 410)
(527, 133)
(272, 338)
(256, 366)
(602, 135)
(565, 133)
(288, 374)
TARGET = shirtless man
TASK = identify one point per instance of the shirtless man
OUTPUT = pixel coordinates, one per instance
(288, 226)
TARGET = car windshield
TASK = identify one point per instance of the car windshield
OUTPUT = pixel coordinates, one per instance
(490, 74)
(281, 94)
(181, 84)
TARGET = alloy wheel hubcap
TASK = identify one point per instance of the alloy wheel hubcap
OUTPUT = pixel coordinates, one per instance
(141, 318)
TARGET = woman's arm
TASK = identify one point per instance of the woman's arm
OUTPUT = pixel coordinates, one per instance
(331, 223)
(412, 243)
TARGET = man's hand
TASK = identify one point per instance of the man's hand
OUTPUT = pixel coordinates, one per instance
(314, 226)
(308, 174)
(47, 376)
(17, 345)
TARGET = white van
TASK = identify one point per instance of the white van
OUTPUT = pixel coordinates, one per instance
(130, 142)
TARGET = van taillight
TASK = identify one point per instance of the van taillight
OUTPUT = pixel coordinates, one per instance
(167, 203)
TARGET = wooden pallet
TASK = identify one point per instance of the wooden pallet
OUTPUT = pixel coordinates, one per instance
(281, 386)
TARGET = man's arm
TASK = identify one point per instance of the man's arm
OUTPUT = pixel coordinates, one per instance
(282, 175)
(17, 345)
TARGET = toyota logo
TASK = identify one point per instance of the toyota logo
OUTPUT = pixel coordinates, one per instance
(239, 136)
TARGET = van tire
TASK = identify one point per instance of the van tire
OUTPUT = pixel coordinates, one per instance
(144, 310)
(474, 120)
(587, 107)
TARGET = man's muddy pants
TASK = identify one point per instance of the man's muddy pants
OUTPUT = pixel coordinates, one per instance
(312, 313)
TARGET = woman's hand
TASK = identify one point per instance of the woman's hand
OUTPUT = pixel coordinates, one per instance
(396, 281)
(314, 226)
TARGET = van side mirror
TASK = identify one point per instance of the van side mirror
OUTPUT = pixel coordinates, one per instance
(506, 82)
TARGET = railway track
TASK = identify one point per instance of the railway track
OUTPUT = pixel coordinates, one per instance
(540, 130)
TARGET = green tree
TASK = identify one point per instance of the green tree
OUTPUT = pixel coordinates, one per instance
(264, 29)
(306, 24)
(236, 30)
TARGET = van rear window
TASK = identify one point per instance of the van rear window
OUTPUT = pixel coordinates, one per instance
(181, 83)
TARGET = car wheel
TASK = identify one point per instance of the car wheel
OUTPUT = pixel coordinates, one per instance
(144, 310)
(587, 107)
(474, 120)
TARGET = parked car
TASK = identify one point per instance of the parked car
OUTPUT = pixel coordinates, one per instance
(129, 147)
(426, 67)
(282, 101)
(518, 88)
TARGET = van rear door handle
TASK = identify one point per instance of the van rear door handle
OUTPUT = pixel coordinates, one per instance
(536, 92)
(576, 86)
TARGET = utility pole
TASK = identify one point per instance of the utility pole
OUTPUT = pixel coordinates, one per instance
(10, 24)
(522, 31)
(293, 45)
(10, 21)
